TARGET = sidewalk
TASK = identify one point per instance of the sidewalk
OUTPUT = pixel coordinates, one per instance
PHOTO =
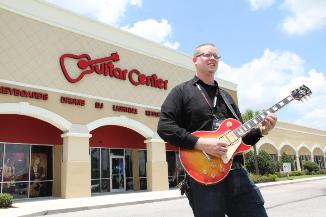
(47, 206)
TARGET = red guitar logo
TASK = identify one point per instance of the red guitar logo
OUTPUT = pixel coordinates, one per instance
(86, 64)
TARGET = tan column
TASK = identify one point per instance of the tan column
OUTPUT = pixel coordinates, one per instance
(156, 166)
(75, 165)
(298, 161)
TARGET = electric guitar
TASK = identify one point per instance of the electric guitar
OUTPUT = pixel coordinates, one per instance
(208, 169)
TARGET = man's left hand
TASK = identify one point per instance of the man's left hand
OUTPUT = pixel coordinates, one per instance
(268, 123)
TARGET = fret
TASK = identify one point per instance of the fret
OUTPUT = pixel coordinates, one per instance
(259, 119)
(270, 110)
(281, 104)
(289, 98)
(252, 124)
(237, 133)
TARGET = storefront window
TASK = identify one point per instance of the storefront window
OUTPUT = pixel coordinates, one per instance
(95, 170)
(129, 172)
(105, 170)
(26, 170)
(15, 170)
(180, 171)
(172, 172)
(142, 169)
(95, 186)
(176, 172)
(41, 171)
(105, 160)
(117, 152)
(95, 163)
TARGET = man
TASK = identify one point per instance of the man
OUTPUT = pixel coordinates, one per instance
(200, 105)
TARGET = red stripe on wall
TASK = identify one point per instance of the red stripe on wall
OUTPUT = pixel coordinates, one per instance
(25, 129)
(116, 137)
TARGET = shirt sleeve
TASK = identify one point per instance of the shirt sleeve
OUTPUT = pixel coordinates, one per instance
(170, 126)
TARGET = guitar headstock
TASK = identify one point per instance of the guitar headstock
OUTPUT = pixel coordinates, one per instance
(301, 92)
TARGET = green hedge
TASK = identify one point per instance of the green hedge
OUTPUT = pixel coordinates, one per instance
(296, 173)
(6, 200)
(264, 178)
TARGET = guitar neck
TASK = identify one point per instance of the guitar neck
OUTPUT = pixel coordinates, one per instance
(255, 121)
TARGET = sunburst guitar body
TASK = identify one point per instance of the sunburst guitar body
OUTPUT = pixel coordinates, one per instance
(209, 169)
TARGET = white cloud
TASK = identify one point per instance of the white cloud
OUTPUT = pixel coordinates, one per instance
(154, 30)
(112, 12)
(107, 11)
(305, 16)
(268, 79)
(260, 4)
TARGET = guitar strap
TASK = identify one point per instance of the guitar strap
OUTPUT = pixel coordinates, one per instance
(226, 100)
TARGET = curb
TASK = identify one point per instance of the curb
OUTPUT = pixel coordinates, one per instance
(76, 209)
(288, 182)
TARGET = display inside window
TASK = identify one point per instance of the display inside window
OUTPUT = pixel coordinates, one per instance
(143, 183)
(128, 157)
(105, 163)
(95, 163)
(16, 161)
(142, 163)
(26, 170)
(95, 186)
(129, 184)
(105, 185)
(17, 189)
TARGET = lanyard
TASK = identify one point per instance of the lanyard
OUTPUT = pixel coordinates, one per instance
(224, 97)
(205, 97)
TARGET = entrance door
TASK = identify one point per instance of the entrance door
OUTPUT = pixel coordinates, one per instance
(118, 178)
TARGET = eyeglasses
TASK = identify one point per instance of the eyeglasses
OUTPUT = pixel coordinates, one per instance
(209, 55)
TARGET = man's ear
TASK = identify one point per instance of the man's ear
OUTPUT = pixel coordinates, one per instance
(194, 59)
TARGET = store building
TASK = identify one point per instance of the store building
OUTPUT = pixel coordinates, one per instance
(80, 102)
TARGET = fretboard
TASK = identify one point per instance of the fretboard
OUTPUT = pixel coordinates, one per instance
(255, 121)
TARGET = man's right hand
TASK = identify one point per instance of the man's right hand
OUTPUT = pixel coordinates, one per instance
(211, 146)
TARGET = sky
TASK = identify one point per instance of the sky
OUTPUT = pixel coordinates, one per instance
(268, 47)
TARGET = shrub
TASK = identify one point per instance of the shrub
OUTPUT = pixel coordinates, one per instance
(266, 164)
(296, 173)
(310, 166)
(265, 178)
(286, 159)
(6, 200)
(322, 171)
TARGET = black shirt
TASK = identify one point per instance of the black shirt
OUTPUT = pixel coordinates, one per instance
(185, 110)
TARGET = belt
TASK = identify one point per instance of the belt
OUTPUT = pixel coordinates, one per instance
(236, 165)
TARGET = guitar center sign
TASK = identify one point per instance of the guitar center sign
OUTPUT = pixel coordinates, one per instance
(76, 67)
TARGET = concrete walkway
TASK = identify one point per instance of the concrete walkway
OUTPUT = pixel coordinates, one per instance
(46, 206)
